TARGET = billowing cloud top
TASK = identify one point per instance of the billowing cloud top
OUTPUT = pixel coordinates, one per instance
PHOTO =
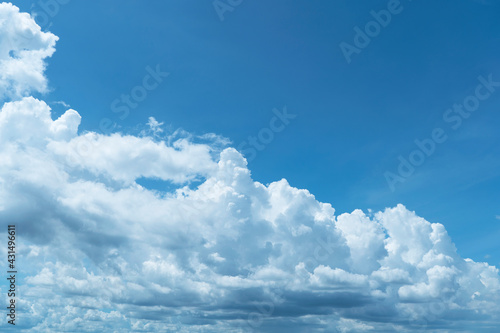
(100, 253)
(23, 48)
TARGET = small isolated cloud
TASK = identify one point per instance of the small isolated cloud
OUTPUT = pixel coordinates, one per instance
(64, 104)
(154, 126)
(101, 253)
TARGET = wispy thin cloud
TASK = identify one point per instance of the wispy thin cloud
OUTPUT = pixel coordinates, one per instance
(63, 103)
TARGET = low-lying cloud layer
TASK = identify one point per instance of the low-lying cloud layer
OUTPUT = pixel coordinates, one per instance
(100, 253)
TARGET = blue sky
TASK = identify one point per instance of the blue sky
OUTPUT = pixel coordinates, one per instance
(353, 117)
(354, 120)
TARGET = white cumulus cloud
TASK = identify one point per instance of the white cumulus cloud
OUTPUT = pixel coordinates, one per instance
(23, 49)
(101, 253)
